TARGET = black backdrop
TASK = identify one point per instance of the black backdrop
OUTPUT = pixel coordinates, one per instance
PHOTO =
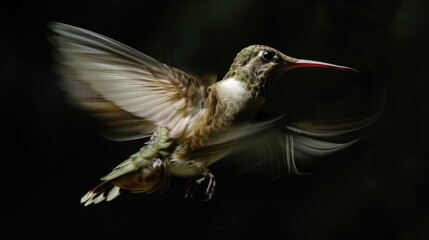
(50, 156)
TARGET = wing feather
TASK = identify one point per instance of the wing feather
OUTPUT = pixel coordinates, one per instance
(110, 79)
(275, 148)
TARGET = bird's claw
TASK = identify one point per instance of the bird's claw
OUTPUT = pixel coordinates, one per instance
(190, 189)
(193, 185)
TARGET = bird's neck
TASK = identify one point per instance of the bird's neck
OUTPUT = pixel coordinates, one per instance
(232, 95)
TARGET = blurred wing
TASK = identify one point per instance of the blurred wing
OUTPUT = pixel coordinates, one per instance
(131, 92)
(222, 143)
(273, 149)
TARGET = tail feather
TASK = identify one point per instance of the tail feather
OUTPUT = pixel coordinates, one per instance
(144, 171)
(104, 191)
(147, 179)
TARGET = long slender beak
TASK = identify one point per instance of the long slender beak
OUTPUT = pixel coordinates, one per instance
(302, 63)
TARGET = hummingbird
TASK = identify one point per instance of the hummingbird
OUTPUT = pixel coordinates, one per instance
(190, 124)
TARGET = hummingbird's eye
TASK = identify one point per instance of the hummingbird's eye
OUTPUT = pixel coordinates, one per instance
(269, 56)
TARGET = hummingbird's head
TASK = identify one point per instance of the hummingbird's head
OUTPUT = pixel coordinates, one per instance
(259, 66)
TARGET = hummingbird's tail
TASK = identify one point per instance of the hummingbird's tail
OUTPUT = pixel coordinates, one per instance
(144, 171)
(103, 191)
(142, 180)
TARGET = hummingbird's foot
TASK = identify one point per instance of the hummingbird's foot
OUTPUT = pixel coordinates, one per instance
(193, 185)
(190, 189)
(211, 185)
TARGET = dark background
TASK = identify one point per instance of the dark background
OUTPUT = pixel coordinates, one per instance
(50, 155)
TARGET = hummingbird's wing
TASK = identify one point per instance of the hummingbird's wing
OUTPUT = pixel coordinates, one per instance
(130, 91)
(275, 148)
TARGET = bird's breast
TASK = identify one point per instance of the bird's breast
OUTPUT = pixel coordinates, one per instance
(228, 101)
